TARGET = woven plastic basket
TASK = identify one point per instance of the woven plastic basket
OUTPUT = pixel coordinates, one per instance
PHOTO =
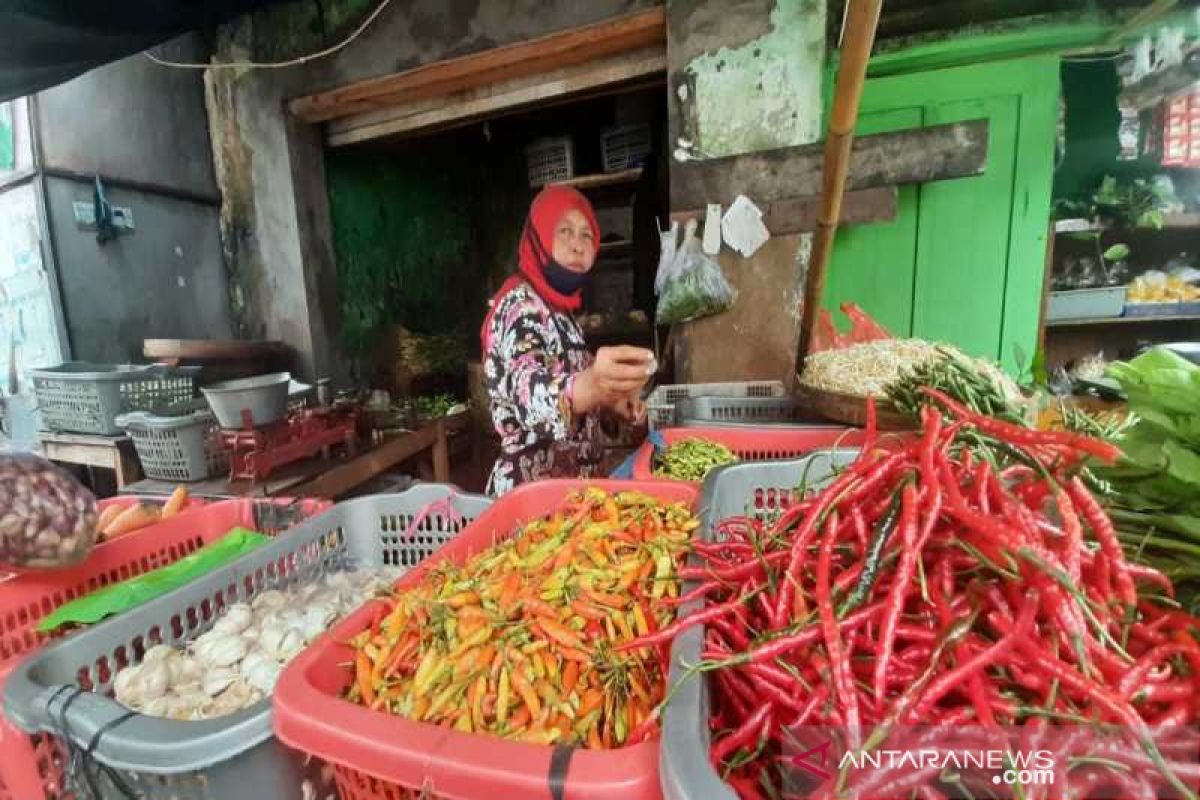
(33, 765)
(79, 397)
(378, 756)
(624, 146)
(234, 756)
(549, 160)
(660, 405)
(177, 443)
(763, 490)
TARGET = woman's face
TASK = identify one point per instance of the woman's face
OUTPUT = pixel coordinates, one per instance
(574, 245)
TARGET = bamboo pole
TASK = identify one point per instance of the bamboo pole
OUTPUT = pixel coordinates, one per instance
(862, 17)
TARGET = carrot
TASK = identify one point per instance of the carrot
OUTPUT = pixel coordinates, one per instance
(109, 513)
(135, 517)
(175, 503)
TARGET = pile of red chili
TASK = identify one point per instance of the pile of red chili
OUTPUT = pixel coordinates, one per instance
(964, 576)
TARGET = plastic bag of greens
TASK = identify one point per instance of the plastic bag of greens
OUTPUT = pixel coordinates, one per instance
(694, 285)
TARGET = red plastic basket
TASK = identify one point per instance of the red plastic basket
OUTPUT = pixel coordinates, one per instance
(751, 444)
(377, 756)
(32, 766)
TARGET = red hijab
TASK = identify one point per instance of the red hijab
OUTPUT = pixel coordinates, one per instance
(537, 240)
(537, 246)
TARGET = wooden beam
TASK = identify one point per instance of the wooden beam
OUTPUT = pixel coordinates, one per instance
(862, 17)
(799, 214)
(557, 50)
(957, 150)
(647, 66)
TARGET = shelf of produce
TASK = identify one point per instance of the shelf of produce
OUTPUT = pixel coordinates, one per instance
(1075, 323)
(583, 182)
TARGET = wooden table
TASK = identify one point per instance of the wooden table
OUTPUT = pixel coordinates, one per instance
(107, 452)
(320, 477)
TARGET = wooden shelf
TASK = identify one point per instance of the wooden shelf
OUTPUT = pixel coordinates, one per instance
(1075, 323)
(620, 247)
(582, 182)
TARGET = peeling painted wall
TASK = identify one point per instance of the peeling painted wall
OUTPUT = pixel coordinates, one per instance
(275, 224)
(758, 89)
(745, 76)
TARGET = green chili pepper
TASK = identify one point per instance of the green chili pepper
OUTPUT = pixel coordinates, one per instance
(874, 555)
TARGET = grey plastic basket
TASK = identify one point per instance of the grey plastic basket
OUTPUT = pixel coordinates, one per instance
(660, 405)
(235, 756)
(79, 397)
(181, 442)
(762, 489)
(745, 412)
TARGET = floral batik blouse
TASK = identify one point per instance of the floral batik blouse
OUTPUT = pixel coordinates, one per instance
(532, 355)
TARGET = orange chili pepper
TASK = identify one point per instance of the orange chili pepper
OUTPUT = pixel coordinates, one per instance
(362, 675)
(512, 585)
(560, 633)
(610, 600)
(535, 605)
(526, 692)
(571, 654)
(570, 676)
(587, 611)
(592, 699)
(519, 719)
(593, 739)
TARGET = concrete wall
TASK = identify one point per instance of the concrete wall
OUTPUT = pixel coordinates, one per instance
(143, 128)
(275, 225)
(162, 280)
(133, 120)
(746, 75)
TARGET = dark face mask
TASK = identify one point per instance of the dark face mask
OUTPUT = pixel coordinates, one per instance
(562, 280)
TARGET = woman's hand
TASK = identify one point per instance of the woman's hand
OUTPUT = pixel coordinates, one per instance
(630, 409)
(617, 374)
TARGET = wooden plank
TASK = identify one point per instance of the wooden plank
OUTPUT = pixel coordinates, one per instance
(956, 150)
(345, 477)
(557, 50)
(441, 455)
(90, 455)
(213, 349)
(799, 214)
(627, 70)
(603, 179)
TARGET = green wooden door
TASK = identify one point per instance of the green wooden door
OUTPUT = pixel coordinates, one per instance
(963, 261)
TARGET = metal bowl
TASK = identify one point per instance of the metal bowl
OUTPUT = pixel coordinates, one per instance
(249, 402)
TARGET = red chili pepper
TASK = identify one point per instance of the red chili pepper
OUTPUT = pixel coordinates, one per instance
(745, 735)
(843, 684)
(899, 588)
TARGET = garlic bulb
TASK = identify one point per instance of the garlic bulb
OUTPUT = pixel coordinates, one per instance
(184, 669)
(236, 619)
(270, 637)
(270, 600)
(218, 680)
(158, 707)
(316, 620)
(160, 652)
(292, 643)
(222, 650)
(125, 685)
(153, 680)
(263, 675)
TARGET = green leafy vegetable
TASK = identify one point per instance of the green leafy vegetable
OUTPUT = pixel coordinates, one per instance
(1155, 497)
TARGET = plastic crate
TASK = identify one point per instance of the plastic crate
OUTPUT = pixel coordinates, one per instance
(745, 412)
(178, 443)
(751, 444)
(234, 756)
(377, 756)
(550, 160)
(624, 146)
(33, 765)
(660, 406)
(78, 397)
(762, 489)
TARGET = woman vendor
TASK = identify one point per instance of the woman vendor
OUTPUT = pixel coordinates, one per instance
(547, 391)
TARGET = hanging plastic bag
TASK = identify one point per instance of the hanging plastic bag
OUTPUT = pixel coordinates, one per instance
(694, 285)
(666, 255)
(863, 328)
